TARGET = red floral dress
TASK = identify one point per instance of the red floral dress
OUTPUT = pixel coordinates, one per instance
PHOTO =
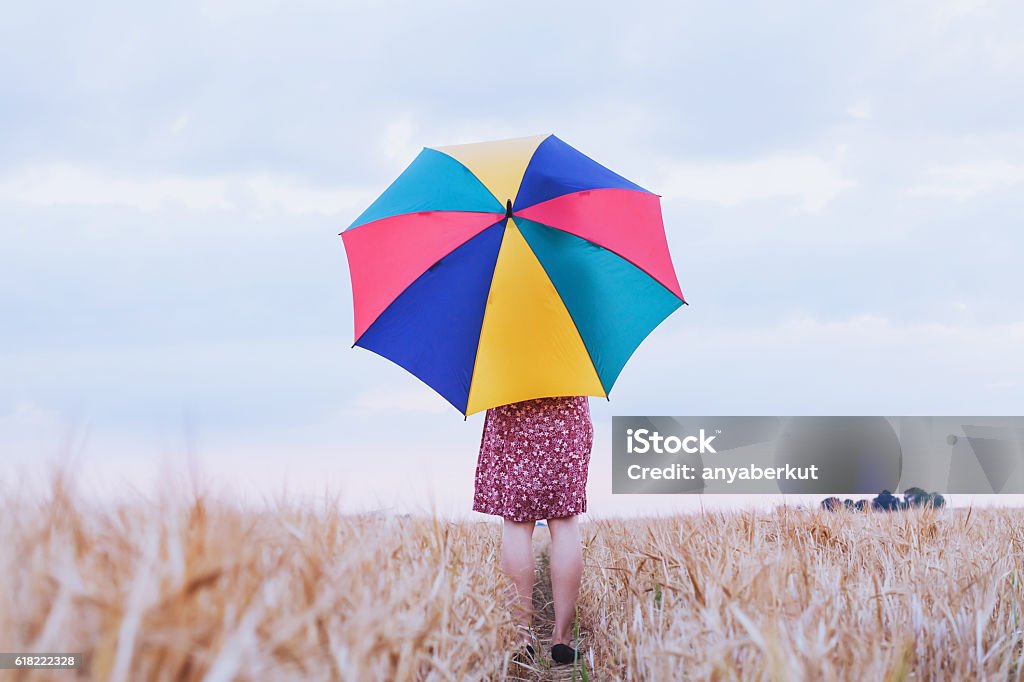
(533, 459)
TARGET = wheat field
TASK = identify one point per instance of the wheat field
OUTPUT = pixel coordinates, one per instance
(195, 587)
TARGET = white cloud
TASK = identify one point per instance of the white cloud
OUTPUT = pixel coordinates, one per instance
(810, 181)
(949, 12)
(180, 124)
(388, 400)
(233, 10)
(28, 415)
(63, 184)
(398, 143)
(966, 181)
(861, 109)
(861, 364)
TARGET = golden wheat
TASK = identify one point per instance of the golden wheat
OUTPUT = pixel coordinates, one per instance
(196, 587)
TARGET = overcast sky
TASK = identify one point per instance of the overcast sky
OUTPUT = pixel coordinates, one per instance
(842, 187)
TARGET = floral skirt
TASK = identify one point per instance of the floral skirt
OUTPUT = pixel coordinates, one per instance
(533, 459)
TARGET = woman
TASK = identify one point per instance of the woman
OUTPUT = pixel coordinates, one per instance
(533, 465)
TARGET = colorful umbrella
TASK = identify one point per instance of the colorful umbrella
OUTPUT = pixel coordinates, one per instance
(509, 270)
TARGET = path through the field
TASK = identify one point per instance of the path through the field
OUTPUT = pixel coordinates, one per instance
(545, 670)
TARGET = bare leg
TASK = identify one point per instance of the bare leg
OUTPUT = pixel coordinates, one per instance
(517, 563)
(566, 572)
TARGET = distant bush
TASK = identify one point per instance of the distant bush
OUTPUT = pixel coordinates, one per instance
(886, 501)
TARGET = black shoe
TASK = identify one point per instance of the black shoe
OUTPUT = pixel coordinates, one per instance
(562, 654)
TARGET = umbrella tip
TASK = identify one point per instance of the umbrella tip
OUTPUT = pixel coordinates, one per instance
(508, 208)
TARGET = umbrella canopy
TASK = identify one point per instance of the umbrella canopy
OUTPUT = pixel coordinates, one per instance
(510, 270)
